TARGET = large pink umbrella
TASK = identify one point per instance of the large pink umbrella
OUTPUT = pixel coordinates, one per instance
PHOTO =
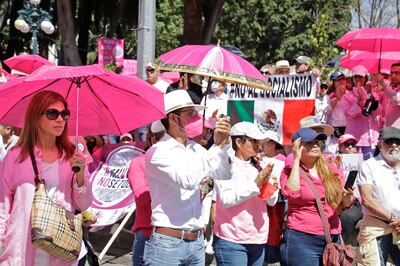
(102, 101)
(375, 40)
(26, 63)
(212, 61)
(369, 60)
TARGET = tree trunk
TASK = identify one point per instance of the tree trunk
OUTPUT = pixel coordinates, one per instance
(398, 13)
(359, 13)
(212, 14)
(116, 16)
(192, 22)
(5, 6)
(86, 8)
(69, 54)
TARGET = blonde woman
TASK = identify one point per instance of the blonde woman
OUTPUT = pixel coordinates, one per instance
(304, 240)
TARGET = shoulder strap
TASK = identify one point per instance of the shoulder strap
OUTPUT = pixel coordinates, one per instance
(35, 169)
(325, 223)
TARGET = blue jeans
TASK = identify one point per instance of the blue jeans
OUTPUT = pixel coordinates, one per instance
(235, 254)
(167, 250)
(386, 247)
(138, 248)
(303, 249)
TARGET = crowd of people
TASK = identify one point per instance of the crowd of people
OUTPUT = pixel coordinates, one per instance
(204, 185)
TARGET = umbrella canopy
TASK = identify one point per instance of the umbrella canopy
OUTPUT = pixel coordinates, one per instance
(26, 63)
(370, 60)
(372, 40)
(103, 102)
(212, 61)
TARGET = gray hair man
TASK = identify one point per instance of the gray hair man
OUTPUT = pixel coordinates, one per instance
(379, 184)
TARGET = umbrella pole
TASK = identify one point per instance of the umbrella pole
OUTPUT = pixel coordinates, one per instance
(205, 100)
(76, 169)
(379, 61)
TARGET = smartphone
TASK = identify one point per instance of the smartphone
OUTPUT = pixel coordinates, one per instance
(351, 178)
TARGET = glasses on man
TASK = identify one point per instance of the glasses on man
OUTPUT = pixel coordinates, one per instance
(191, 112)
(348, 144)
(52, 114)
(254, 141)
(392, 141)
(150, 71)
(395, 72)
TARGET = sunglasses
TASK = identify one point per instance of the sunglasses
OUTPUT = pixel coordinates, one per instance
(52, 114)
(313, 143)
(150, 71)
(348, 144)
(392, 141)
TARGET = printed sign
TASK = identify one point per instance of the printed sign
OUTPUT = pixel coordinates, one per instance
(112, 194)
(111, 50)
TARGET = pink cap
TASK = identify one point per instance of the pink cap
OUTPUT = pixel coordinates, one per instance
(347, 137)
(359, 71)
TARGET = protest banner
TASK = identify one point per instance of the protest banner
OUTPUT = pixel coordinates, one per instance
(292, 98)
(130, 67)
(110, 50)
(112, 195)
(351, 162)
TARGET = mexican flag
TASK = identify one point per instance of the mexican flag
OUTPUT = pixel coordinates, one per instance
(280, 110)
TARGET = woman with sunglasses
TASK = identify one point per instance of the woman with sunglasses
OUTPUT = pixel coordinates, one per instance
(241, 221)
(304, 241)
(44, 136)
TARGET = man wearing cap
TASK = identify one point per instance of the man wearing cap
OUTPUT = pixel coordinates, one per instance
(174, 167)
(379, 184)
(302, 64)
(152, 77)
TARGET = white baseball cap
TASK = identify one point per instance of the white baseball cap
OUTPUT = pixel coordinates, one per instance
(273, 135)
(178, 99)
(157, 126)
(247, 129)
(359, 71)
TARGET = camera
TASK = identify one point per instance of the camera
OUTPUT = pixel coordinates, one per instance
(370, 105)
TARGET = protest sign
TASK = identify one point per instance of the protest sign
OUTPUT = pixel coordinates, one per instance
(130, 67)
(292, 98)
(110, 50)
(112, 194)
(351, 162)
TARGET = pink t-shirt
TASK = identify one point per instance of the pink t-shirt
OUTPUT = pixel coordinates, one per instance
(302, 212)
(140, 188)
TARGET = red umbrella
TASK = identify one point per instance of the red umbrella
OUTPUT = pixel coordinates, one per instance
(375, 40)
(212, 61)
(369, 60)
(102, 101)
(26, 63)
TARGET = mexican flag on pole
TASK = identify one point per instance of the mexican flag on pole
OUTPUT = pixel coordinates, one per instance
(280, 110)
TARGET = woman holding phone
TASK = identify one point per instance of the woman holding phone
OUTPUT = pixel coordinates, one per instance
(304, 237)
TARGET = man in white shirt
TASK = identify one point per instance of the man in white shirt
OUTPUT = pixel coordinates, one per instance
(174, 169)
(216, 102)
(9, 139)
(379, 184)
(152, 77)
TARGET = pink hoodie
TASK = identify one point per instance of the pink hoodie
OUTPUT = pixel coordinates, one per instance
(17, 189)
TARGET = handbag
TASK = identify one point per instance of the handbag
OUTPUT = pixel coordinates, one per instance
(55, 230)
(334, 254)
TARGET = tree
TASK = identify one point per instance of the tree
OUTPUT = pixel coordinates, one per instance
(375, 13)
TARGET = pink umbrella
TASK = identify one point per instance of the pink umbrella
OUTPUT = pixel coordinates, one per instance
(171, 76)
(26, 63)
(102, 101)
(375, 40)
(212, 61)
(370, 60)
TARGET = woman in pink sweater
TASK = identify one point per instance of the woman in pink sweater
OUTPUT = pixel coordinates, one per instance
(241, 222)
(45, 135)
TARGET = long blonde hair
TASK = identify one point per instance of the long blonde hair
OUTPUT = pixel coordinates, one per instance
(331, 181)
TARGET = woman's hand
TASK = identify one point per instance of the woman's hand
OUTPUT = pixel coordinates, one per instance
(264, 175)
(79, 160)
(347, 197)
(297, 149)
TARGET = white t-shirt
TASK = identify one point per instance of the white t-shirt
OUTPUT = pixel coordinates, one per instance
(385, 181)
(161, 85)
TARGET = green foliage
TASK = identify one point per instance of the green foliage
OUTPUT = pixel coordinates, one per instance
(267, 31)
(113, 67)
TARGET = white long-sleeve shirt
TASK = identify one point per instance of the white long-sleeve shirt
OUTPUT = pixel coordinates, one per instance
(174, 172)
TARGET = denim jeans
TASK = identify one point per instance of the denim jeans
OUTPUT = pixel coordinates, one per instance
(167, 250)
(138, 248)
(303, 249)
(386, 247)
(235, 254)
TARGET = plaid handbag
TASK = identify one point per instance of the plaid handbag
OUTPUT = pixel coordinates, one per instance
(54, 229)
